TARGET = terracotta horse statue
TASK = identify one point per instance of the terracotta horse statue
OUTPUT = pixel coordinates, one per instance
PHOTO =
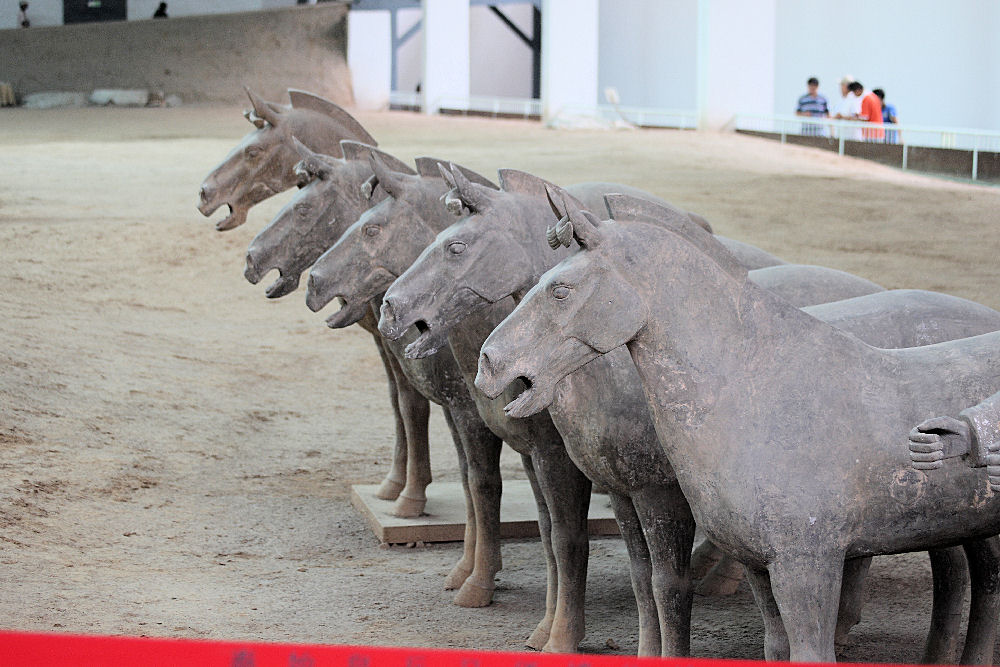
(301, 231)
(747, 393)
(614, 443)
(358, 269)
(260, 166)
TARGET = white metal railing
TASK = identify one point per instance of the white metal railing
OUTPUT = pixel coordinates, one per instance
(532, 108)
(907, 136)
(507, 106)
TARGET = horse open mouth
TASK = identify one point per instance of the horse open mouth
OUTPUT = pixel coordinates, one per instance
(282, 286)
(426, 343)
(236, 217)
(532, 400)
(349, 313)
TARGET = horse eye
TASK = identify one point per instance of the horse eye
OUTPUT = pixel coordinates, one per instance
(303, 209)
(253, 151)
(560, 292)
(456, 247)
(372, 230)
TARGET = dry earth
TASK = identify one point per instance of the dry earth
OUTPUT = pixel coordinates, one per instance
(176, 451)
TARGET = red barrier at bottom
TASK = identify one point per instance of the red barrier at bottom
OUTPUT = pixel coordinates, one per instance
(45, 650)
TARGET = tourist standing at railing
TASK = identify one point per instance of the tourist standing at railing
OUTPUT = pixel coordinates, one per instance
(814, 105)
(888, 117)
(849, 106)
(22, 16)
(871, 112)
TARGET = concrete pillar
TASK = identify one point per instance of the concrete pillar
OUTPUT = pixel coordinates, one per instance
(736, 59)
(369, 57)
(446, 51)
(569, 55)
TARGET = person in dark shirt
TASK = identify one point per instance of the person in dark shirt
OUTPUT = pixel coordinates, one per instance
(161, 11)
(888, 116)
(814, 105)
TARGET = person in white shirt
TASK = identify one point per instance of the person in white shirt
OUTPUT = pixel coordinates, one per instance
(848, 107)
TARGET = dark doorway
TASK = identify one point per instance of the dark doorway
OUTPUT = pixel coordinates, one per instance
(86, 11)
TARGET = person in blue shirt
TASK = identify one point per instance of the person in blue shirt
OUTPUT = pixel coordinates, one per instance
(888, 116)
(814, 105)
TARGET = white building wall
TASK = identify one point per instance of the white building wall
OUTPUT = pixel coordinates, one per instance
(500, 62)
(40, 13)
(648, 52)
(736, 59)
(939, 63)
(369, 57)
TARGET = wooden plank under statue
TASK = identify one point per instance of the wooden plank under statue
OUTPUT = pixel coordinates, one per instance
(443, 519)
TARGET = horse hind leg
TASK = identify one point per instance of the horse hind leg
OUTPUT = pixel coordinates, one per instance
(951, 577)
(852, 598)
(984, 574)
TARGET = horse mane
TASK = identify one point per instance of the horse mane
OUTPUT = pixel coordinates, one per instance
(627, 209)
(428, 168)
(352, 128)
(356, 150)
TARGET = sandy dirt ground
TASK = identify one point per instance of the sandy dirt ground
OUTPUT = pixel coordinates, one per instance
(176, 451)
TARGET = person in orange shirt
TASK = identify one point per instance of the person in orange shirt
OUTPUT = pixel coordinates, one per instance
(871, 111)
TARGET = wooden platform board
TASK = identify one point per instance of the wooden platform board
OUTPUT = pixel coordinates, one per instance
(444, 517)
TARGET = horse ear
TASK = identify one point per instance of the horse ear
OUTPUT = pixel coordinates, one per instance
(262, 110)
(446, 175)
(311, 165)
(575, 222)
(390, 181)
(476, 197)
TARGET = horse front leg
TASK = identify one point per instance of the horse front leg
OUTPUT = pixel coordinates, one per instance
(415, 411)
(641, 572)
(567, 496)
(669, 529)
(395, 480)
(482, 452)
(807, 592)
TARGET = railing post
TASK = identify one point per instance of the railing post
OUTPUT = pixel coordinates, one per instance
(905, 150)
(840, 141)
(975, 163)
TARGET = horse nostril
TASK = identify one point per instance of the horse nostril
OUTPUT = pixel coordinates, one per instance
(204, 193)
(387, 310)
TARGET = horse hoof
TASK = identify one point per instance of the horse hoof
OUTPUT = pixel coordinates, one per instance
(408, 508)
(472, 595)
(560, 645)
(539, 637)
(389, 489)
(457, 577)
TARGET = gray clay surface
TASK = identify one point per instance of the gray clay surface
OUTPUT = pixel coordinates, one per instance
(740, 393)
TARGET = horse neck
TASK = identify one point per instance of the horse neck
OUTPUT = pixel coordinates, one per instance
(713, 341)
